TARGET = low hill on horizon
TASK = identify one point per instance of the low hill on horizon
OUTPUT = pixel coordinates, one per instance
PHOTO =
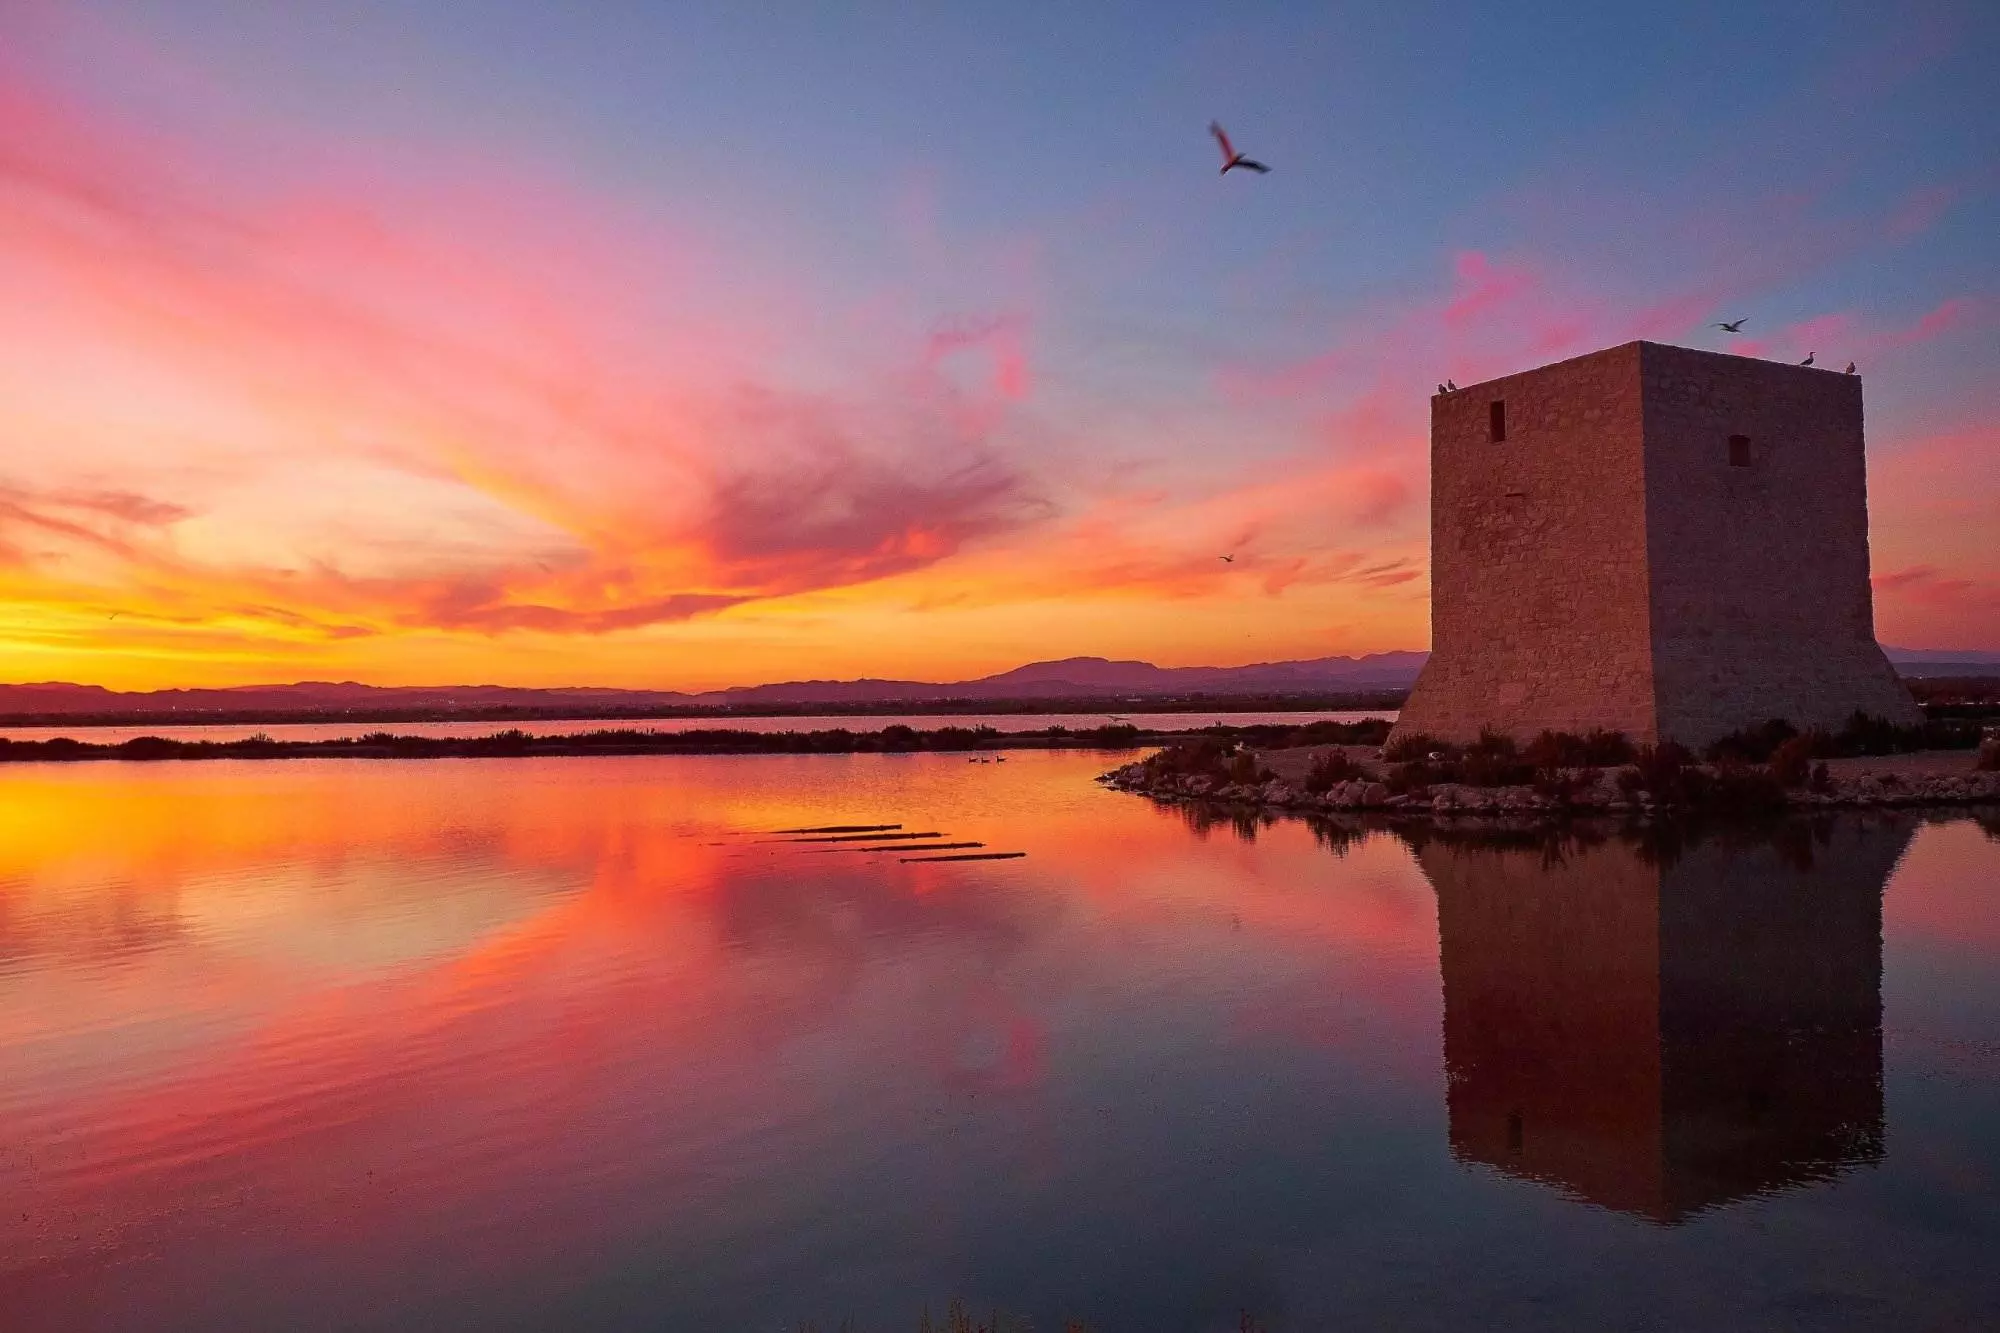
(1064, 678)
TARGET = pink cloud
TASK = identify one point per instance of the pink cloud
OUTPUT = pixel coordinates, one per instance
(1927, 585)
(518, 340)
(1483, 288)
(1919, 211)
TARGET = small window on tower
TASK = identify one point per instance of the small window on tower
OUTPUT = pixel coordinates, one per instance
(1739, 451)
(1496, 422)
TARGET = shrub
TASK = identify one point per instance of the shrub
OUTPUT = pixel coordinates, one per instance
(1664, 770)
(1741, 789)
(1558, 784)
(1201, 758)
(1753, 745)
(1791, 762)
(1416, 777)
(1368, 731)
(1245, 769)
(1484, 768)
(1564, 749)
(1329, 768)
(1415, 746)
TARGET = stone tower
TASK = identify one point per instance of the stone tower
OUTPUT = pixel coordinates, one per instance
(1653, 540)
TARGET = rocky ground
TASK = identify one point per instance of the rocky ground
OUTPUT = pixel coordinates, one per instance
(1935, 777)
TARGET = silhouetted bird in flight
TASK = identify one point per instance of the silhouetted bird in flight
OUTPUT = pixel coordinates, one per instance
(1809, 358)
(1228, 559)
(1733, 326)
(1850, 368)
(1232, 159)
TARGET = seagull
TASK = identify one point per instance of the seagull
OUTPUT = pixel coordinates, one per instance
(1230, 157)
(1733, 326)
(1809, 357)
(1850, 368)
(1228, 559)
(1450, 387)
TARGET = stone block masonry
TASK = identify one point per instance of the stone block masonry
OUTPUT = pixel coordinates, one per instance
(1653, 540)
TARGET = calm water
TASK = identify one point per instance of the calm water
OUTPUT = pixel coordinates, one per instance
(326, 731)
(559, 1043)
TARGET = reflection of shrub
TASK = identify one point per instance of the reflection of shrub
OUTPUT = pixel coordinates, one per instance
(1329, 768)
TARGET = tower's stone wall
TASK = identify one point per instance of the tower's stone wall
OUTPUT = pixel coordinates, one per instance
(1759, 574)
(1608, 564)
(1538, 556)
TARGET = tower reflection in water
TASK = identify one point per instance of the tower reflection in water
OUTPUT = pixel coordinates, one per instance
(1661, 1029)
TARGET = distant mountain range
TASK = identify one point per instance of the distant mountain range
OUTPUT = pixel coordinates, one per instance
(1069, 678)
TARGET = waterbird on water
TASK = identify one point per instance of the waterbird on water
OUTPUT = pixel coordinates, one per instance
(1809, 358)
(1733, 326)
(1231, 159)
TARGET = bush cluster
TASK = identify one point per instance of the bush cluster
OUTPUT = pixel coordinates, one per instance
(1332, 767)
(1861, 735)
(1207, 758)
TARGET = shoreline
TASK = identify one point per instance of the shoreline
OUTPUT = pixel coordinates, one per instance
(610, 742)
(1914, 780)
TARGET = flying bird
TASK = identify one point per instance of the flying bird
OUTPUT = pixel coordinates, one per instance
(1850, 368)
(1733, 326)
(1228, 559)
(1232, 159)
(1809, 358)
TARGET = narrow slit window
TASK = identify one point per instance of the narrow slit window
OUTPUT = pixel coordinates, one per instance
(1739, 451)
(1496, 422)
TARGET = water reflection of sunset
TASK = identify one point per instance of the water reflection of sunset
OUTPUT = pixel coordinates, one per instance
(473, 1037)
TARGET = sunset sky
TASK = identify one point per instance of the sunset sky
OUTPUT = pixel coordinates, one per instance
(688, 345)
